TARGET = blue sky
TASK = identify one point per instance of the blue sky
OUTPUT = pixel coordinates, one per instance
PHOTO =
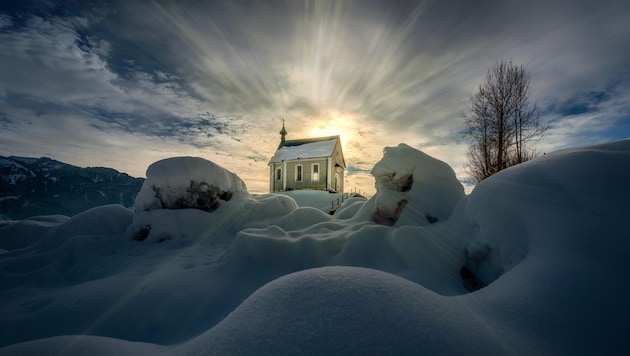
(125, 83)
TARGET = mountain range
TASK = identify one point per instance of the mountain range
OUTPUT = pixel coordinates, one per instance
(44, 186)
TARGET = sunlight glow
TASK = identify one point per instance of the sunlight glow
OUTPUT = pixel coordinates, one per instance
(334, 124)
(332, 79)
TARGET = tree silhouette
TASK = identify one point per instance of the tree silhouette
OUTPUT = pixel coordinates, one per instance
(502, 123)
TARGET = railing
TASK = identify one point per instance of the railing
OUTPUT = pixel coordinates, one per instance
(356, 191)
(345, 196)
(337, 202)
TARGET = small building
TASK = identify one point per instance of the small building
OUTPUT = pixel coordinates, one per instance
(311, 163)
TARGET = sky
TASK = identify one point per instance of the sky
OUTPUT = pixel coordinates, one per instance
(123, 84)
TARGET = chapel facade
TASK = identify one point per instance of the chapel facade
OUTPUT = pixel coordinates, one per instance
(310, 163)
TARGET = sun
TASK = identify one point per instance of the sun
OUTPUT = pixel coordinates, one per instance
(321, 131)
(333, 124)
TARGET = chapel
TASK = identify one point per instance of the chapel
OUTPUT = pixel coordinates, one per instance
(309, 163)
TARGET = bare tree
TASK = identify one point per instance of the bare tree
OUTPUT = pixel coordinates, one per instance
(502, 123)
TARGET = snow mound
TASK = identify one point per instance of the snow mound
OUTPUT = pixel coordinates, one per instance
(269, 206)
(80, 249)
(163, 224)
(543, 245)
(191, 198)
(329, 310)
(413, 188)
(562, 199)
(81, 345)
(282, 251)
(188, 182)
(346, 310)
(349, 208)
(106, 220)
(180, 197)
(26, 232)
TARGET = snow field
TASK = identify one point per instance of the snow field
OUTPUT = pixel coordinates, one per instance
(545, 241)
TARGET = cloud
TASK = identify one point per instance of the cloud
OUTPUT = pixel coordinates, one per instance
(57, 69)
(47, 62)
(214, 78)
(589, 118)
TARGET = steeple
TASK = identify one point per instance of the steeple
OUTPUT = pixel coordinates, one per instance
(283, 133)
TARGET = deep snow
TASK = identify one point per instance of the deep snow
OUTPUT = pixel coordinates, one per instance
(543, 245)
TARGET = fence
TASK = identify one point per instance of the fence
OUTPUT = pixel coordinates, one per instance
(354, 192)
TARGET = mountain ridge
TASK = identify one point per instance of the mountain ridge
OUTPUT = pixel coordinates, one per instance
(43, 186)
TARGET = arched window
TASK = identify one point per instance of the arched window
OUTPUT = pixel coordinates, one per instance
(278, 173)
(298, 173)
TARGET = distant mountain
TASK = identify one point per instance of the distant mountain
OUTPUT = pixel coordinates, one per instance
(43, 186)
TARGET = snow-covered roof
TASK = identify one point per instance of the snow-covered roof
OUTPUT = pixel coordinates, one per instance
(306, 148)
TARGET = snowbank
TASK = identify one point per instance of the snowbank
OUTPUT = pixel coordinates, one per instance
(543, 245)
(558, 199)
(178, 197)
(25, 232)
(413, 188)
(347, 310)
(188, 182)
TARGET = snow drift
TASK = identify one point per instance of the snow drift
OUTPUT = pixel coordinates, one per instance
(531, 262)
(187, 182)
(413, 188)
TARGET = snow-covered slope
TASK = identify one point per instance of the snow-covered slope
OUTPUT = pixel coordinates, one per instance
(13, 172)
(38, 186)
(531, 262)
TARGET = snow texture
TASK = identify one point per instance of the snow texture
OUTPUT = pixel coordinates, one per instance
(532, 262)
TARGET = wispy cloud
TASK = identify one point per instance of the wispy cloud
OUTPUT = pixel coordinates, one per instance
(162, 78)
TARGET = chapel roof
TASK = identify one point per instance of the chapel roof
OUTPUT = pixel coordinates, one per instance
(316, 147)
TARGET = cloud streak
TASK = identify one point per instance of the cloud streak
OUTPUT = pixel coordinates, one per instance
(130, 82)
